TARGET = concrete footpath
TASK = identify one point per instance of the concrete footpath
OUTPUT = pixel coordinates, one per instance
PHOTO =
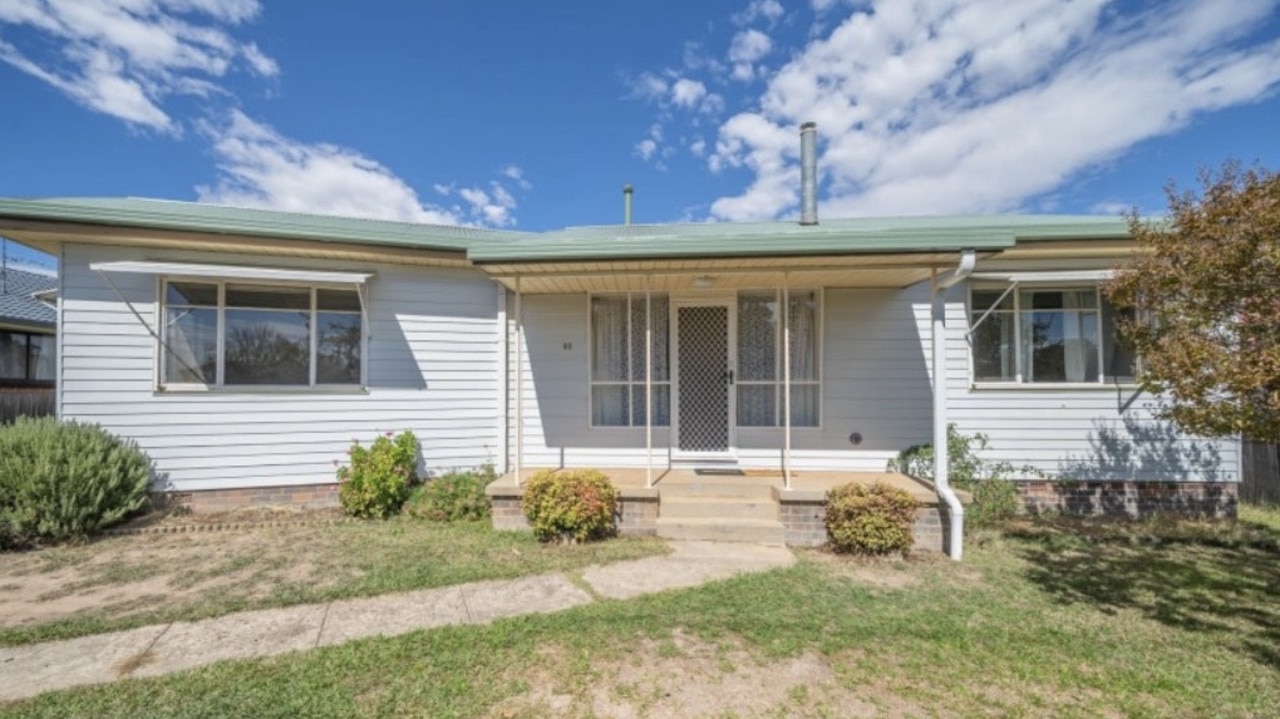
(26, 671)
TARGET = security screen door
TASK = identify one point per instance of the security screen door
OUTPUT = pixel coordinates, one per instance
(704, 379)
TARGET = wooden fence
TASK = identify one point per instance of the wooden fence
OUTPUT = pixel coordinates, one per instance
(1260, 473)
(30, 402)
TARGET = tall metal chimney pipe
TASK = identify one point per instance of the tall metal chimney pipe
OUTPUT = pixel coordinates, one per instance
(809, 173)
(626, 204)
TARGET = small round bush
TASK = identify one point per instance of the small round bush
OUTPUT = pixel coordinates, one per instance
(571, 504)
(67, 480)
(454, 497)
(376, 483)
(994, 501)
(870, 518)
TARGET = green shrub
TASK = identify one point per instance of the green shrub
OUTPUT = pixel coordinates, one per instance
(572, 504)
(65, 480)
(457, 496)
(376, 483)
(995, 494)
(870, 518)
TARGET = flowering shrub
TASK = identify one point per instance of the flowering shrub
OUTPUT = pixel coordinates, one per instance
(376, 482)
(870, 519)
(574, 505)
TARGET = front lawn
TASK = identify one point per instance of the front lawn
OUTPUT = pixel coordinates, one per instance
(120, 582)
(1052, 618)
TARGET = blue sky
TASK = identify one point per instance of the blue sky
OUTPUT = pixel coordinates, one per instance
(533, 115)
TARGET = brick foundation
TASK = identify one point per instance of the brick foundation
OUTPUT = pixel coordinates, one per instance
(1131, 499)
(637, 511)
(309, 496)
(804, 525)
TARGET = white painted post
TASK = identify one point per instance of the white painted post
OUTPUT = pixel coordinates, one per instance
(519, 383)
(648, 382)
(786, 378)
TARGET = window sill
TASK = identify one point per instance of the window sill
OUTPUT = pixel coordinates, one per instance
(1053, 386)
(261, 389)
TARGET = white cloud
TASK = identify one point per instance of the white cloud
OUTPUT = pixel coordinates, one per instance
(646, 148)
(768, 10)
(259, 167)
(747, 48)
(687, 93)
(698, 147)
(516, 175)
(977, 106)
(124, 58)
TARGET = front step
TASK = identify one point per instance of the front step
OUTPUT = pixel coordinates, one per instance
(759, 531)
(719, 509)
(704, 507)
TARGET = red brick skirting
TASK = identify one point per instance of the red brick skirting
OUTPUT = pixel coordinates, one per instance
(804, 524)
(636, 514)
(220, 500)
(1131, 499)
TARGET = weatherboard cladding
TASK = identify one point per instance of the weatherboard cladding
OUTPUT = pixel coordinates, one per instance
(18, 307)
(730, 239)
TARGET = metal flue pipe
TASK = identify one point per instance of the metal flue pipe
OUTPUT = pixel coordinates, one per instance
(809, 173)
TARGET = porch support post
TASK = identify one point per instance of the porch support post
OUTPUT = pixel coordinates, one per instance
(519, 383)
(938, 338)
(786, 379)
(648, 382)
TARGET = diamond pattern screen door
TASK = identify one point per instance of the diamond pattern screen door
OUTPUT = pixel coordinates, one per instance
(702, 338)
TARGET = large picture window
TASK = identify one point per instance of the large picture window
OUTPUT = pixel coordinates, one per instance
(618, 360)
(27, 359)
(761, 389)
(1047, 335)
(239, 334)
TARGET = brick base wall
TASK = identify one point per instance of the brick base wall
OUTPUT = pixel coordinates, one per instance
(309, 496)
(1131, 499)
(804, 525)
(636, 515)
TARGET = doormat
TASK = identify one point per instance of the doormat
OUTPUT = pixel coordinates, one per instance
(718, 472)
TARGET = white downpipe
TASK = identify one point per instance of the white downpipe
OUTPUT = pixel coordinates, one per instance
(786, 380)
(648, 383)
(519, 383)
(938, 338)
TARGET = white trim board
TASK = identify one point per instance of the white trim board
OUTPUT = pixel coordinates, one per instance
(234, 272)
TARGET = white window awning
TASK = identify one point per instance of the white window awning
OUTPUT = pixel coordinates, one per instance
(233, 272)
(1058, 277)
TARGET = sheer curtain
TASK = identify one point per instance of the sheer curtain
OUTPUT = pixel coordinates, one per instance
(610, 404)
(802, 317)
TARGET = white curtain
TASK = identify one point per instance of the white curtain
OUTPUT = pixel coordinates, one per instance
(803, 319)
(610, 404)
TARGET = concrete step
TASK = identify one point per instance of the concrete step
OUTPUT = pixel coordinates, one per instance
(719, 487)
(702, 507)
(758, 531)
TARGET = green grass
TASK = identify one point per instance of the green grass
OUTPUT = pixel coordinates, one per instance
(207, 574)
(1052, 618)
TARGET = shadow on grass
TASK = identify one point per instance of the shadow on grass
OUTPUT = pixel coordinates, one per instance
(1220, 578)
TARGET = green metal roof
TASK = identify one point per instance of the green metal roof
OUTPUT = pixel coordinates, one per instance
(845, 236)
(202, 217)
(881, 235)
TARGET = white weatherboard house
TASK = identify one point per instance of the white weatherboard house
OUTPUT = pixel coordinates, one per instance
(723, 374)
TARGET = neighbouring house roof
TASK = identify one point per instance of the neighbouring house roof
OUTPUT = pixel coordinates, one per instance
(892, 235)
(18, 307)
(219, 219)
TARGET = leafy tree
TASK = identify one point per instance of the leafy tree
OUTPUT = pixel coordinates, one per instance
(1204, 288)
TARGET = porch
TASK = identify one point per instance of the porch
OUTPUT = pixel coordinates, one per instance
(750, 505)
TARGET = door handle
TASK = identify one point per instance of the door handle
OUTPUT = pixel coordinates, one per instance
(729, 376)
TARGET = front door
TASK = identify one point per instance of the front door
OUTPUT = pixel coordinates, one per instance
(703, 380)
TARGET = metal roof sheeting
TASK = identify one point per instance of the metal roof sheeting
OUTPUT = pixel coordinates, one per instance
(894, 235)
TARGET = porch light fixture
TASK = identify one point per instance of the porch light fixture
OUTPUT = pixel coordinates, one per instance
(704, 282)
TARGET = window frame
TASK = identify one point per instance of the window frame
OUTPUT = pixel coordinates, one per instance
(1019, 382)
(28, 379)
(631, 385)
(219, 385)
(779, 381)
